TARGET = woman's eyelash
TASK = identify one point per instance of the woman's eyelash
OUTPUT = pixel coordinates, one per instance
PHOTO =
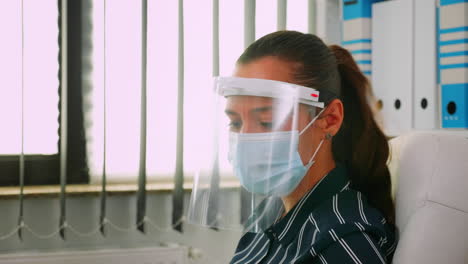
(234, 124)
(267, 124)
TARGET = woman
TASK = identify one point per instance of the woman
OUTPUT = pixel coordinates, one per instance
(302, 132)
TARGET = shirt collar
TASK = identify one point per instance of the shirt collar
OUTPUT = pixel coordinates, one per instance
(286, 229)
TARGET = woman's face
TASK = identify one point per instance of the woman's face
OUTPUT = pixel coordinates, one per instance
(254, 114)
(251, 114)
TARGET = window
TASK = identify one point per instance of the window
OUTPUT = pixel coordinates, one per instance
(34, 56)
(36, 108)
(123, 71)
(104, 83)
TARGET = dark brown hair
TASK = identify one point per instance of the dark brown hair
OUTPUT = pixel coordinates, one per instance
(359, 144)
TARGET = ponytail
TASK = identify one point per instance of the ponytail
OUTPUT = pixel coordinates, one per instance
(360, 143)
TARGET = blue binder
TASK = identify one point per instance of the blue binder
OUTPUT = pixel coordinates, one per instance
(357, 26)
(358, 8)
(455, 105)
(453, 62)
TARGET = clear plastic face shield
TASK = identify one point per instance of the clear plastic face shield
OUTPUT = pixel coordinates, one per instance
(258, 129)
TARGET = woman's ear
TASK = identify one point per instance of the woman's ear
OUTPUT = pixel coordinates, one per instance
(332, 117)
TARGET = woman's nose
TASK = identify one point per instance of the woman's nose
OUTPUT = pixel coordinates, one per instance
(249, 127)
(245, 128)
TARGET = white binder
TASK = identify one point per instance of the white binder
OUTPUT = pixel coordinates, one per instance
(425, 104)
(328, 21)
(392, 63)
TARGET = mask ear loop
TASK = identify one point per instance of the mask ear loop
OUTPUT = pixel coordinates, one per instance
(312, 161)
(311, 122)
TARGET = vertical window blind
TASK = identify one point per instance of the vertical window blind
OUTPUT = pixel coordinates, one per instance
(151, 64)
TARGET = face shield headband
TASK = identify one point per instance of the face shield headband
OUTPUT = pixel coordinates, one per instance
(229, 86)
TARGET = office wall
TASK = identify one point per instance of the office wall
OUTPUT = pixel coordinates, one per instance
(42, 215)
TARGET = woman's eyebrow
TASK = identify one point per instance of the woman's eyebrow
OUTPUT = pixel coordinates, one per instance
(230, 112)
(262, 109)
(255, 110)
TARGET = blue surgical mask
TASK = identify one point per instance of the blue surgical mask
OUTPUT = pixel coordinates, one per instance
(269, 163)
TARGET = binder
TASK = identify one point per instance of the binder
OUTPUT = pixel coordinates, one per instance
(392, 65)
(425, 104)
(353, 9)
(455, 105)
(358, 40)
(357, 32)
(453, 62)
(328, 21)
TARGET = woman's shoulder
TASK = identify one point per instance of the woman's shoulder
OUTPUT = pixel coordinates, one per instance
(348, 213)
(348, 206)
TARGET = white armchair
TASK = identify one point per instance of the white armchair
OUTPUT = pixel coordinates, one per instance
(430, 177)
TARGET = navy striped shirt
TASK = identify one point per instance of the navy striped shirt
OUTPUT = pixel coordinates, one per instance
(332, 223)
